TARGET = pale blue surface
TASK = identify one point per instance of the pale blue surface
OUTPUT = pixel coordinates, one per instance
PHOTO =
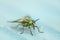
(47, 10)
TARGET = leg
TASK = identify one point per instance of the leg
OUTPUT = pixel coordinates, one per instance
(22, 30)
(38, 29)
(17, 26)
(34, 27)
(30, 31)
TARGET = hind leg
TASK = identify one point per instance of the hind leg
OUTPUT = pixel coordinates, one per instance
(22, 30)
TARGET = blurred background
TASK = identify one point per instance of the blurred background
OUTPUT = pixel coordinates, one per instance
(47, 10)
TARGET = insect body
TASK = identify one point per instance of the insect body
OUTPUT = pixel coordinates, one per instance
(27, 22)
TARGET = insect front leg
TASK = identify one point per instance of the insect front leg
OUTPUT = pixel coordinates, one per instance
(34, 27)
(30, 30)
(38, 29)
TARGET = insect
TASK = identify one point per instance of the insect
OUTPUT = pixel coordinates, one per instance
(27, 21)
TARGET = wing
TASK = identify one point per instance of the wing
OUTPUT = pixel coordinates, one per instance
(16, 21)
